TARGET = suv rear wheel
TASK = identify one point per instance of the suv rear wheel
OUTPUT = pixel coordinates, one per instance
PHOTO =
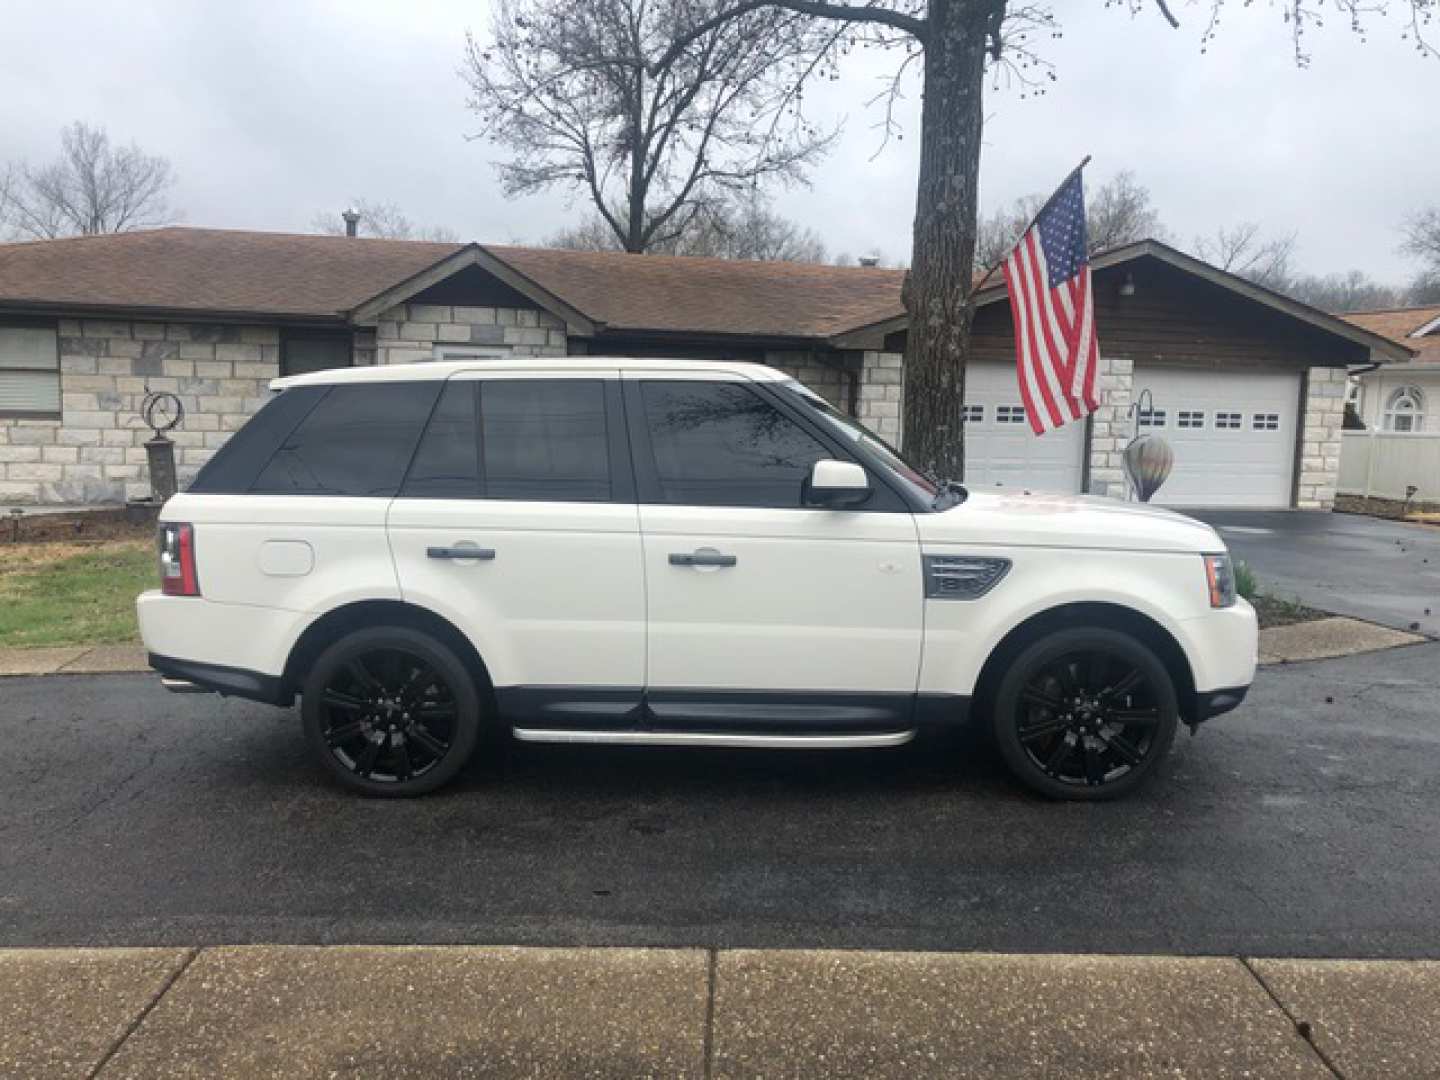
(390, 711)
(1085, 714)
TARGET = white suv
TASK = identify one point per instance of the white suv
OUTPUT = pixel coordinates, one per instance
(664, 552)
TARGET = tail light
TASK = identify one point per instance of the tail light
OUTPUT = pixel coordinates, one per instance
(177, 561)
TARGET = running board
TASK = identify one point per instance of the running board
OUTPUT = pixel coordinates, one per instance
(715, 738)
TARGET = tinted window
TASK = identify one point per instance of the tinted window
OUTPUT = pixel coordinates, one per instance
(447, 464)
(544, 439)
(315, 352)
(357, 441)
(236, 464)
(721, 444)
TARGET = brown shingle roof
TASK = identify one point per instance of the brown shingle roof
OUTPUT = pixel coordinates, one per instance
(1398, 324)
(668, 292)
(223, 271)
(212, 270)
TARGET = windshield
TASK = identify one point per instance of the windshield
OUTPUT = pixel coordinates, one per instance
(857, 432)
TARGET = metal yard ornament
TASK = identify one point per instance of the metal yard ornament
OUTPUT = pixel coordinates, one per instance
(1148, 458)
(162, 412)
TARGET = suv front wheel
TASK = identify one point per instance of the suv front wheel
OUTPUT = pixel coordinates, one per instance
(390, 711)
(1085, 714)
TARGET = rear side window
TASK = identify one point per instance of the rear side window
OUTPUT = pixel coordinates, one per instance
(544, 440)
(447, 464)
(357, 441)
(721, 444)
(234, 467)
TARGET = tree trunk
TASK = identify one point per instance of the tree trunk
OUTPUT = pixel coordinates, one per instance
(937, 287)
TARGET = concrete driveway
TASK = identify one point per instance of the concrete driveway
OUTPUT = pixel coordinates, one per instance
(1384, 571)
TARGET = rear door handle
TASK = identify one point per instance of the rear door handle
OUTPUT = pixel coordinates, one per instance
(459, 552)
(701, 558)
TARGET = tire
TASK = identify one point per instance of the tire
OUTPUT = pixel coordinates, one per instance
(1085, 714)
(390, 711)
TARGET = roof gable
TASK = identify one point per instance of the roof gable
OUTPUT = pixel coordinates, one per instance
(1416, 329)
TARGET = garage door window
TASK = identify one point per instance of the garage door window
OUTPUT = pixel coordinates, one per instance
(974, 414)
(1152, 417)
(1189, 418)
(1010, 414)
(1265, 421)
(1405, 410)
(1227, 421)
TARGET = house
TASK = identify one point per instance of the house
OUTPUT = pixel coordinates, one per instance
(1397, 455)
(1246, 384)
(1401, 397)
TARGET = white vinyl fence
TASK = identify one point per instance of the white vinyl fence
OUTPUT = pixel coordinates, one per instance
(1386, 463)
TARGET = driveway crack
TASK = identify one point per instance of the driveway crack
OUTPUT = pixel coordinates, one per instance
(134, 1025)
(1302, 1027)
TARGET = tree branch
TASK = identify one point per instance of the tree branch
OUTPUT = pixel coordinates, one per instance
(1164, 7)
(853, 13)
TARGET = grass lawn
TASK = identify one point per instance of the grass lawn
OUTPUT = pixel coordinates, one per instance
(72, 594)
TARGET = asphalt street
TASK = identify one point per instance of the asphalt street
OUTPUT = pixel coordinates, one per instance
(1303, 824)
(1382, 571)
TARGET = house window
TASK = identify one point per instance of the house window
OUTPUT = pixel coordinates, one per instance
(306, 351)
(1010, 414)
(1152, 417)
(29, 372)
(1227, 421)
(973, 414)
(1265, 421)
(1405, 410)
(1188, 418)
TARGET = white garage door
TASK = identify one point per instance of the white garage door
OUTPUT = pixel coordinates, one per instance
(1001, 449)
(1233, 435)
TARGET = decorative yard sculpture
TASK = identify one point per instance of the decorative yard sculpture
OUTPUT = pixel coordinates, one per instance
(1148, 458)
(162, 412)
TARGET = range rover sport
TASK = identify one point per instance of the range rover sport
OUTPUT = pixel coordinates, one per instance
(664, 552)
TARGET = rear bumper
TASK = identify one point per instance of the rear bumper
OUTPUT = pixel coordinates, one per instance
(232, 682)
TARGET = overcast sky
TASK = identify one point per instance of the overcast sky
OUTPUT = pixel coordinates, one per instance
(272, 111)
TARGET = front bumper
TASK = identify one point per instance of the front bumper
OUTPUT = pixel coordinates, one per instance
(1212, 703)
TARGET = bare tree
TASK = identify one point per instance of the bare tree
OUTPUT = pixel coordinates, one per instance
(1118, 212)
(384, 220)
(590, 97)
(1352, 291)
(1246, 251)
(92, 187)
(1422, 240)
(954, 43)
(747, 228)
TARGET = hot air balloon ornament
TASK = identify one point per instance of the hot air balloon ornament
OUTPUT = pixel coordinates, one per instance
(1148, 458)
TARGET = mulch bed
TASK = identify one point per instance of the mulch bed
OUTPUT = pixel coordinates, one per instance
(89, 526)
(1390, 509)
(1273, 611)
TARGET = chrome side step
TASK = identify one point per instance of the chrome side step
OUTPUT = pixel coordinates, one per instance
(714, 738)
(180, 686)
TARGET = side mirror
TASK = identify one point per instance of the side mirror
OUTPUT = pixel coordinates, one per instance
(838, 485)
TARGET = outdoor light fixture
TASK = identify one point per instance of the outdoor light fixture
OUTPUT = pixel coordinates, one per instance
(1127, 287)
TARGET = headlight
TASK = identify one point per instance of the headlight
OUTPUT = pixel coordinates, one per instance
(1221, 575)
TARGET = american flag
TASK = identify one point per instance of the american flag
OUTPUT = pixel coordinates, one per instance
(1050, 300)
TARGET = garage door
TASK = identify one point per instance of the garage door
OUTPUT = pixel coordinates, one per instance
(1001, 449)
(1233, 435)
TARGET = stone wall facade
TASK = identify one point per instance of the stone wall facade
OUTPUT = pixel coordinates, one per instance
(877, 405)
(408, 333)
(1320, 438)
(96, 452)
(1111, 426)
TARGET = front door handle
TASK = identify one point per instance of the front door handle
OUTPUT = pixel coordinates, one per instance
(701, 558)
(459, 552)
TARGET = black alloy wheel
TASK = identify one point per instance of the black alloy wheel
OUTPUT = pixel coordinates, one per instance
(1085, 714)
(391, 711)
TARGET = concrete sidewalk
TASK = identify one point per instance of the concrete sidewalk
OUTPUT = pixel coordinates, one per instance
(501, 1012)
(73, 660)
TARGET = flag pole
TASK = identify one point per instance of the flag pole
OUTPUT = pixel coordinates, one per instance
(1046, 206)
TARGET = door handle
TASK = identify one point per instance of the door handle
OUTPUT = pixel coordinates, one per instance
(701, 558)
(460, 552)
